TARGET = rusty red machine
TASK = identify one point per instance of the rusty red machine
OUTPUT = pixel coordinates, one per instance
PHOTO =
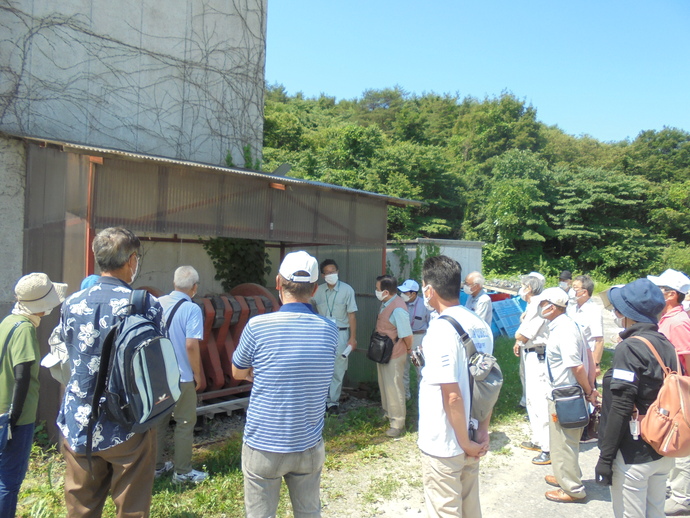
(225, 316)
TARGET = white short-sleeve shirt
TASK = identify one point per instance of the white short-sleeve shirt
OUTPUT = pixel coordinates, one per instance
(590, 318)
(446, 362)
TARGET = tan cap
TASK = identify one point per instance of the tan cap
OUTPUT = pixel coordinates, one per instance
(36, 293)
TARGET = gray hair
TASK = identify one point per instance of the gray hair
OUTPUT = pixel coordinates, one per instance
(185, 277)
(478, 278)
(587, 283)
(113, 247)
(535, 283)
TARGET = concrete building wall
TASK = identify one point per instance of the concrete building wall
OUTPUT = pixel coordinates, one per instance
(12, 185)
(160, 260)
(467, 253)
(181, 78)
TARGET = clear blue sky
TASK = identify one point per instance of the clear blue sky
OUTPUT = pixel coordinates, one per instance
(609, 69)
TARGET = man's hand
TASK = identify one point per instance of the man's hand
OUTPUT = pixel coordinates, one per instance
(516, 349)
(475, 449)
(593, 397)
(352, 343)
(603, 473)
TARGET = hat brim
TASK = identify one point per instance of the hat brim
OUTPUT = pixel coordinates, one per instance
(615, 296)
(54, 298)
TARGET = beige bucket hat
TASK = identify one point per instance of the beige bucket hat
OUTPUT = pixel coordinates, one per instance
(36, 293)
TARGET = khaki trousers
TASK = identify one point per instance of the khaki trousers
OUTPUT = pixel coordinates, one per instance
(339, 370)
(125, 470)
(185, 419)
(565, 452)
(393, 390)
(451, 486)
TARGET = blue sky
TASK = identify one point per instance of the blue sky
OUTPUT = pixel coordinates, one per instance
(609, 69)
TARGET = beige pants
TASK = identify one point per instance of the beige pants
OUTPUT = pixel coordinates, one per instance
(451, 486)
(125, 470)
(565, 452)
(185, 419)
(393, 390)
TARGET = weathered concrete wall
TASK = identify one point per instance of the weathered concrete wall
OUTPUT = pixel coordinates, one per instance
(12, 185)
(181, 78)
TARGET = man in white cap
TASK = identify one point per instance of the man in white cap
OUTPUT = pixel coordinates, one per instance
(19, 364)
(289, 355)
(674, 324)
(335, 300)
(419, 322)
(568, 363)
(478, 300)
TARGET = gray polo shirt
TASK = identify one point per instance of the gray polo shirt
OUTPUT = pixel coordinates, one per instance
(336, 303)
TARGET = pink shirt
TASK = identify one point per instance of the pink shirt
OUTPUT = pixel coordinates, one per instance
(675, 325)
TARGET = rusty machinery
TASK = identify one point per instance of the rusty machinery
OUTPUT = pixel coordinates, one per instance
(224, 318)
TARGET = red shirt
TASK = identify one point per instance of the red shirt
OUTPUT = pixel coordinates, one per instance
(675, 325)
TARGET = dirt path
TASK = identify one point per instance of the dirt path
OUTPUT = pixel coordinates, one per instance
(385, 480)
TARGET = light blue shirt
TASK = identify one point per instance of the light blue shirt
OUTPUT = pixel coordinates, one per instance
(292, 352)
(400, 318)
(187, 323)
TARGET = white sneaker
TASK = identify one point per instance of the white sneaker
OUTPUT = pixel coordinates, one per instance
(193, 477)
(168, 466)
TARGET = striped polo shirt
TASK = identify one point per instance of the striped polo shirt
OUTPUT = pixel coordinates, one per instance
(292, 352)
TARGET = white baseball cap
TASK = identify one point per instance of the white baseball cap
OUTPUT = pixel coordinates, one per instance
(299, 267)
(555, 296)
(409, 285)
(673, 279)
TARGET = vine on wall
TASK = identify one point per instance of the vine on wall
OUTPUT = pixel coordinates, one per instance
(238, 260)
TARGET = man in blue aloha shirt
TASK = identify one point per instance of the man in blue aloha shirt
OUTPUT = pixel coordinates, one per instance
(122, 463)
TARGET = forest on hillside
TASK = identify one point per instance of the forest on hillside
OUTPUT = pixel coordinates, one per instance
(488, 169)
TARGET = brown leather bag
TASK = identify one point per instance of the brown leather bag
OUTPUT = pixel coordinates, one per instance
(666, 425)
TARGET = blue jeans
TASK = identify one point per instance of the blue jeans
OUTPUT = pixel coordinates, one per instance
(263, 474)
(14, 461)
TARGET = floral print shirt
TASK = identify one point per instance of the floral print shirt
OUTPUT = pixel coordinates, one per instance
(86, 317)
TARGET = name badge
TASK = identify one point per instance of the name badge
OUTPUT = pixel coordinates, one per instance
(331, 319)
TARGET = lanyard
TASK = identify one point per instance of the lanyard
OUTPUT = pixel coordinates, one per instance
(335, 294)
(414, 311)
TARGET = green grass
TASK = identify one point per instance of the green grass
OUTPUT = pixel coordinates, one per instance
(507, 407)
(352, 440)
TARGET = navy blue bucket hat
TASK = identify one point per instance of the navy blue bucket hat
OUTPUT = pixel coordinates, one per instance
(640, 300)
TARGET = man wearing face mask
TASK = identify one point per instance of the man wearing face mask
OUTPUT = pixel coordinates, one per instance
(394, 322)
(478, 300)
(122, 462)
(567, 362)
(450, 454)
(589, 316)
(530, 346)
(184, 322)
(419, 322)
(20, 357)
(335, 300)
(674, 324)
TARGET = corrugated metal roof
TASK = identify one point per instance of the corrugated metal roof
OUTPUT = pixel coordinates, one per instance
(114, 153)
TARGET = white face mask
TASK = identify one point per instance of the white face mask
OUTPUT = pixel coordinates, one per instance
(540, 311)
(563, 285)
(523, 293)
(136, 272)
(379, 295)
(331, 278)
(619, 321)
(467, 289)
(405, 297)
(426, 301)
(47, 312)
